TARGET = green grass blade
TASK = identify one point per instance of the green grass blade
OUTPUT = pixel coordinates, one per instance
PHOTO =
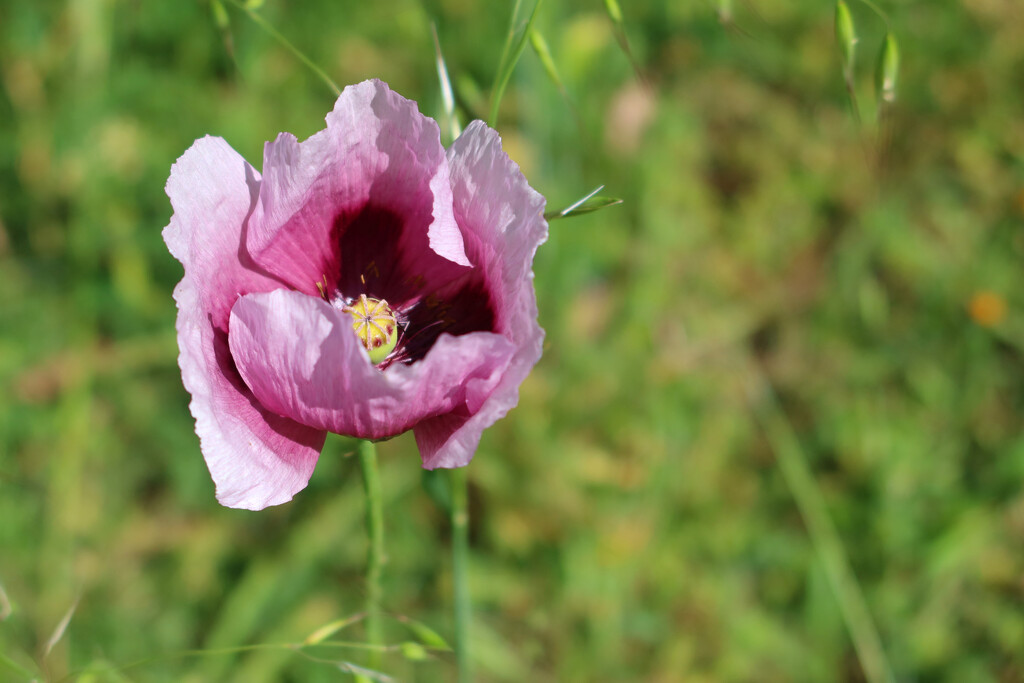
(5, 604)
(426, 635)
(540, 47)
(362, 672)
(824, 537)
(223, 23)
(508, 63)
(587, 204)
(61, 628)
(846, 38)
(887, 71)
(619, 25)
(724, 10)
(328, 630)
(287, 44)
(447, 97)
(506, 48)
(220, 15)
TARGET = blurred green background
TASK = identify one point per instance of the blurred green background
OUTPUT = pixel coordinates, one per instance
(779, 286)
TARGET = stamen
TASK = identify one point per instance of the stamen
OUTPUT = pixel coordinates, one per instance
(322, 288)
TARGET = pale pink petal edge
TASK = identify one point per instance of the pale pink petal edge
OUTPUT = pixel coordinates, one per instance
(496, 205)
(256, 459)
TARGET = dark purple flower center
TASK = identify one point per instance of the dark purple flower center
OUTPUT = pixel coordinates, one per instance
(385, 256)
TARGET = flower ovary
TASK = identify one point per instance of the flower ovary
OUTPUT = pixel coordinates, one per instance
(376, 326)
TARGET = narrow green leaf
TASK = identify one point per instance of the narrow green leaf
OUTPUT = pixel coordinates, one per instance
(846, 37)
(447, 97)
(887, 70)
(540, 46)
(619, 29)
(425, 634)
(5, 604)
(614, 11)
(589, 206)
(505, 70)
(220, 15)
(506, 49)
(586, 204)
(414, 652)
(471, 95)
(328, 630)
(253, 4)
(362, 671)
(223, 22)
(62, 626)
(510, 37)
(725, 11)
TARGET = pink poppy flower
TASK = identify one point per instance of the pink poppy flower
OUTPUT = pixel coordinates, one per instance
(368, 283)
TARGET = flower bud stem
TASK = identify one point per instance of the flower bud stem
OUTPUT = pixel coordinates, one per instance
(460, 572)
(375, 552)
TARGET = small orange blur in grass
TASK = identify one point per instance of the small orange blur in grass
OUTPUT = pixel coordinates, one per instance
(987, 308)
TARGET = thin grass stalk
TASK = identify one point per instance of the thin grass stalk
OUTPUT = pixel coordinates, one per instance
(460, 572)
(375, 552)
(824, 538)
(273, 32)
(886, 77)
(447, 96)
(509, 58)
(614, 12)
(509, 37)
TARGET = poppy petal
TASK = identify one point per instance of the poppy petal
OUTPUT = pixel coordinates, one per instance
(502, 220)
(256, 458)
(378, 152)
(301, 358)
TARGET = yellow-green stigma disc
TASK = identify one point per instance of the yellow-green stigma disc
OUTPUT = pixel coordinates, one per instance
(375, 325)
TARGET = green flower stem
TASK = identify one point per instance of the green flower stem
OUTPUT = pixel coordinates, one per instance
(375, 552)
(460, 571)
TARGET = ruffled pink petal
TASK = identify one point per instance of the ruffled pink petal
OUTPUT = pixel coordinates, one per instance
(502, 221)
(256, 458)
(378, 155)
(301, 358)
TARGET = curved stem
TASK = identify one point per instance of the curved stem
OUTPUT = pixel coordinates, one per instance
(460, 572)
(276, 35)
(375, 551)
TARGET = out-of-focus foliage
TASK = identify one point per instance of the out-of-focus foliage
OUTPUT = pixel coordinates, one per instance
(629, 518)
